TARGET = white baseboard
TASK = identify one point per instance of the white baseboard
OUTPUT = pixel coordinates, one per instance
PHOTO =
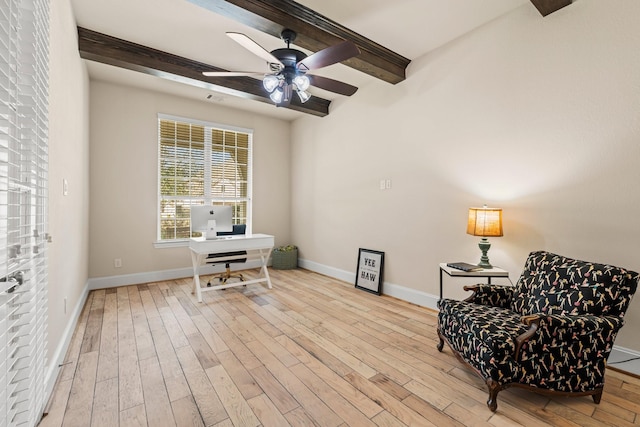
(158, 276)
(414, 296)
(620, 359)
(60, 352)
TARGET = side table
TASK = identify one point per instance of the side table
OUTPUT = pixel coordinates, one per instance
(485, 272)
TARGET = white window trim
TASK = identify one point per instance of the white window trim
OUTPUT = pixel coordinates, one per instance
(162, 244)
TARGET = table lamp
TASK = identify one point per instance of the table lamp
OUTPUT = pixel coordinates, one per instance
(485, 222)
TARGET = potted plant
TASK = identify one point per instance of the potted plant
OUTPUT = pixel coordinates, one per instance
(285, 257)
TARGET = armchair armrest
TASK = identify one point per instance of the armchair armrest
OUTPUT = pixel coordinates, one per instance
(567, 341)
(491, 295)
(583, 323)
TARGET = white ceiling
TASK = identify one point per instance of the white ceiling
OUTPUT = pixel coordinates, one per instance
(411, 28)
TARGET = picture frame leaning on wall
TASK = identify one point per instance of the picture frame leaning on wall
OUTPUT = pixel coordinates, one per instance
(370, 270)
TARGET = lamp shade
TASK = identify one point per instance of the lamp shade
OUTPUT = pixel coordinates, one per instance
(485, 222)
(270, 82)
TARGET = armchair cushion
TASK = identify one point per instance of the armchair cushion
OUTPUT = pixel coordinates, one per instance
(553, 284)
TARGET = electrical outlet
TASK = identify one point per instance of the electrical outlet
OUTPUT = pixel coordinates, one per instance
(117, 263)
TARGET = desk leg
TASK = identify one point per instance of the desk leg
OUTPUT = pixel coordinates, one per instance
(440, 285)
(265, 271)
(196, 260)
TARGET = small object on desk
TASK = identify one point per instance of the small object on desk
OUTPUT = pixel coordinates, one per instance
(464, 266)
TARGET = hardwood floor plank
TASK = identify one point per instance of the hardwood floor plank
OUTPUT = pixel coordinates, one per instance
(237, 408)
(214, 340)
(129, 384)
(240, 376)
(176, 334)
(186, 412)
(105, 404)
(316, 408)
(149, 305)
(367, 406)
(423, 407)
(133, 417)
(267, 412)
(58, 405)
(175, 381)
(203, 352)
(73, 353)
(391, 405)
(156, 398)
(286, 358)
(385, 419)
(341, 406)
(345, 357)
(209, 404)
(311, 351)
(91, 339)
(144, 342)
(278, 394)
(464, 416)
(80, 403)
(108, 357)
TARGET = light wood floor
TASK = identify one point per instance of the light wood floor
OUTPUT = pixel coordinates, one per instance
(310, 351)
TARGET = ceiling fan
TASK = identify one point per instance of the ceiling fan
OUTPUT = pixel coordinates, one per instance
(288, 68)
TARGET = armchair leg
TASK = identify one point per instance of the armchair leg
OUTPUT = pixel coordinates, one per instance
(597, 396)
(494, 388)
(440, 345)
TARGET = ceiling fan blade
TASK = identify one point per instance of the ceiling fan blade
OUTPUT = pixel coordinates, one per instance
(332, 85)
(232, 73)
(253, 47)
(331, 55)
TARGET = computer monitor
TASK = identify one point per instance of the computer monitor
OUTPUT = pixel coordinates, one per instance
(201, 215)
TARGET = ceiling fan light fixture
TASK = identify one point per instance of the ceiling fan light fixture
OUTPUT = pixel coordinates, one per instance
(270, 83)
(302, 82)
(277, 95)
(304, 96)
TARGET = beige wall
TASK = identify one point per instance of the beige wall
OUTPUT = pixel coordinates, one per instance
(124, 167)
(68, 159)
(536, 115)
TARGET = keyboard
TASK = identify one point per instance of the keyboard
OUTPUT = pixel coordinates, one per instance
(464, 266)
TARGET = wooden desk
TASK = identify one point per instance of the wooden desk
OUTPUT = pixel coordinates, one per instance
(257, 246)
(486, 272)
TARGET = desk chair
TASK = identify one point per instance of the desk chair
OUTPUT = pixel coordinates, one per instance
(211, 258)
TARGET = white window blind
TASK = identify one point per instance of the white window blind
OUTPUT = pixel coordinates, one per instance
(201, 163)
(24, 45)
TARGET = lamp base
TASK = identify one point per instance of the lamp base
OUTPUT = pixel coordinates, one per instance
(484, 246)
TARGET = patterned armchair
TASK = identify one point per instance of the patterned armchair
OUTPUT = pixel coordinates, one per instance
(552, 331)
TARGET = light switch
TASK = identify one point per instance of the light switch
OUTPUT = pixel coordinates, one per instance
(382, 184)
(65, 187)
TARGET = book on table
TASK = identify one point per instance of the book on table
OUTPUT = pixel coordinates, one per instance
(464, 266)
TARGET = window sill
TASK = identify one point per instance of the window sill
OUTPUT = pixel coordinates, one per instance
(163, 244)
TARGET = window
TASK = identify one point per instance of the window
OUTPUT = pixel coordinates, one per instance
(201, 164)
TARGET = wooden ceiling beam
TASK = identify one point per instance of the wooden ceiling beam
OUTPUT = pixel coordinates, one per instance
(314, 32)
(110, 50)
(546, 7)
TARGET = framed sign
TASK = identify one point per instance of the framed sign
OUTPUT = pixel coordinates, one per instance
(369, 271)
